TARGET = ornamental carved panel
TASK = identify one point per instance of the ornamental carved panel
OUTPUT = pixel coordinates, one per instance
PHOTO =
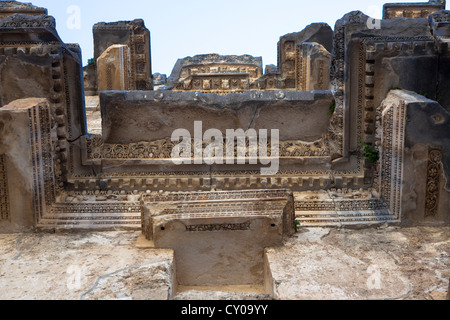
(433, 182)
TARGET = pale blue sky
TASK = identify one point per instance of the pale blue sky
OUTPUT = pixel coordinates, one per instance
(181, 28)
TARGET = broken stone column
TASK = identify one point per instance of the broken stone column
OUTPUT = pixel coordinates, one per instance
(113, 69)
(26, 163)
(136, 37)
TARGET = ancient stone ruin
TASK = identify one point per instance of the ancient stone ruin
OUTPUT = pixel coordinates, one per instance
(351, 128)
(412, 10)
(122, 59)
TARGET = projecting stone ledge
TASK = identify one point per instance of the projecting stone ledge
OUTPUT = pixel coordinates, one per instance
(134, 116)
(8, 8)
(219, 237)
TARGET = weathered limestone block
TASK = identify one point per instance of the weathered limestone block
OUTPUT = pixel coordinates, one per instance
(26, 167)
(219, 237)
(216, 73)
(136, 37)
(440, 24)
(367, 63)
(151, 116)
(316, 32)
(113, 69)
(8, 8)
(159, 79)
(440, 27)
(314, 66)
(412, 10)
(414, 172)
(34, 62)
(152, 280)
(291, 54)
(90, 79)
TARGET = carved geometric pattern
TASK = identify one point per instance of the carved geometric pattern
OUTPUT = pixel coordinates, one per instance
(391, 164)
(4, 195)
(433, 181)
(162, 149)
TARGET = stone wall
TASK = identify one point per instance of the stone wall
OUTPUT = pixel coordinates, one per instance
(216, 74)
(368, 63)
(99, 181)
(26, 164)
(414, 168)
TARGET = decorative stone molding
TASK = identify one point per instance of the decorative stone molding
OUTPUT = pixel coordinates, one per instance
(4, 191)
(433, 182)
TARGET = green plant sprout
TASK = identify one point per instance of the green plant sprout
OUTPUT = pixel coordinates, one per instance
(332, 108)
(371, 154)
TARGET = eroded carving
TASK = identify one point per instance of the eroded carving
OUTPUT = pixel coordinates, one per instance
(433, 182)
(4, 196)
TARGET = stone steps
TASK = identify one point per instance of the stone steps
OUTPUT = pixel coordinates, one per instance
(100, 222)
(343, 218)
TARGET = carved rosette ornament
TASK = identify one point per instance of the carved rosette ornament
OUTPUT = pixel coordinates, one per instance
(433, 181)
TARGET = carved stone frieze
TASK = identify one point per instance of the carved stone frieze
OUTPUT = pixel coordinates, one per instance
(4, 191)
(433, 182)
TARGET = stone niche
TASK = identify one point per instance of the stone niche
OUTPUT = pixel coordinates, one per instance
(412, 10)
(219, 237)
(135, 36)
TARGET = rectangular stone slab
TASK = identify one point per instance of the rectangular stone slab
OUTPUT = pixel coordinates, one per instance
(219, 237)
(132, 116)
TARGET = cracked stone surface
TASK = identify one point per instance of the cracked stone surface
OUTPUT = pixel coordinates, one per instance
(82, 266)
(412, 264)
(384, 263)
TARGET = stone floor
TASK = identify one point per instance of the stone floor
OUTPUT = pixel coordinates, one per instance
(376, 263)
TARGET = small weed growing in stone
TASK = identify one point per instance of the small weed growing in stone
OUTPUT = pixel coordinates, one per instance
(332, 108)
(371, 154)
